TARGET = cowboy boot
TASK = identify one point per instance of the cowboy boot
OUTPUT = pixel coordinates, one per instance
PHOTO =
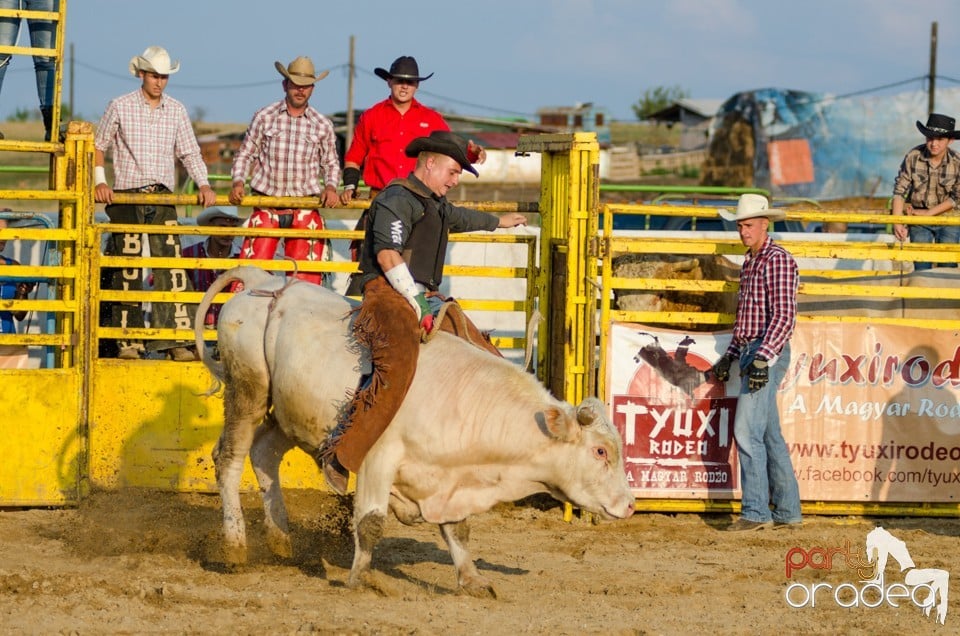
(47, 114)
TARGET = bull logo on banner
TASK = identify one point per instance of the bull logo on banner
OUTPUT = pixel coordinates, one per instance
(677, 423)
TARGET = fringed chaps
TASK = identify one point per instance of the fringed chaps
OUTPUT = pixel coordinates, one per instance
(387, 326)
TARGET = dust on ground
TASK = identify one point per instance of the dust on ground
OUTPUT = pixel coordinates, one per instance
(144, 561)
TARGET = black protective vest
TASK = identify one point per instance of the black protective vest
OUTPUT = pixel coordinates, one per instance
(426, 248)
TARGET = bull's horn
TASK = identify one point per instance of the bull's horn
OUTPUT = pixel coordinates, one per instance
(587, 412)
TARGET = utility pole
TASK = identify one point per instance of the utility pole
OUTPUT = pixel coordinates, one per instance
(350, 77)
(932, 98)
(73, 113)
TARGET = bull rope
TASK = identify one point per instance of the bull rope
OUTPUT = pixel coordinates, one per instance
(275, 295)
(457, 317)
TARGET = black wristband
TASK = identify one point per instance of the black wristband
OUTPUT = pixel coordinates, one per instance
(351, 177)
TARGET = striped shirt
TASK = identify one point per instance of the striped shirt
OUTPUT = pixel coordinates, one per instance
(145, 142)
(288, 153)
(767, 301)
(924, 186)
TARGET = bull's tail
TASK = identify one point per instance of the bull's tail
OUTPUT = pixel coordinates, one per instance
(535, 319)
(251, 277)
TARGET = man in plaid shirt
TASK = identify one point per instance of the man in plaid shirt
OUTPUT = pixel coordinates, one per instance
(286, 147)
(766, 316)
(928, 184)
(146, 131)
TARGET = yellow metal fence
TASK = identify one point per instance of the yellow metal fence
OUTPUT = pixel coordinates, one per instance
(82, 421)
(931, 305)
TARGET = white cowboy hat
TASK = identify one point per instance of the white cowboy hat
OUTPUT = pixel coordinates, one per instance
(301, 71)
(208, 216)
(751, 206)
(154, 60)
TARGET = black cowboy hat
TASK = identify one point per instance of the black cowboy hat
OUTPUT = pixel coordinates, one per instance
(939, 126)
(446, 143)
(404, 67)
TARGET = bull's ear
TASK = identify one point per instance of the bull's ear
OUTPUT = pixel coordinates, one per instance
(558, 424)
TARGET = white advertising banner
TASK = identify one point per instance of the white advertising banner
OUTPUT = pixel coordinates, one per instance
(869, 413)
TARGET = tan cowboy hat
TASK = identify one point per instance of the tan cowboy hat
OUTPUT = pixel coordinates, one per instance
(154, 60)
(751, 206)
(208, 216)
(301, 72)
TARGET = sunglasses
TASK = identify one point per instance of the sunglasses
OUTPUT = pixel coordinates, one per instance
(404, 81)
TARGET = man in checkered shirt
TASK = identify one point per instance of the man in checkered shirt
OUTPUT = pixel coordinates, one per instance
(146, 130)
(766, 316)
(287, 146)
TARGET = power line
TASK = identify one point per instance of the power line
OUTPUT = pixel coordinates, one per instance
(453, 100)
(339, 67)
(881, 88)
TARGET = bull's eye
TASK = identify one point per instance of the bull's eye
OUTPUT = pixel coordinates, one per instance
(600, 453)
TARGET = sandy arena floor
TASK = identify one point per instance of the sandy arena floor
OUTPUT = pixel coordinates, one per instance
(137, 562)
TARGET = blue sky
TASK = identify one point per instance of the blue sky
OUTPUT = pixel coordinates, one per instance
(500, 58)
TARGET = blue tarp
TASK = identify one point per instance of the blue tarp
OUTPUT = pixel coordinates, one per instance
(856, 144)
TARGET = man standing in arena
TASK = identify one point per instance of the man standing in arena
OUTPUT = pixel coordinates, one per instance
(765, 319)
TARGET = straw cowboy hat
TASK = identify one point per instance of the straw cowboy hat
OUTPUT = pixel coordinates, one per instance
(154, 60)
(445, 143)
(208, 216)
(939, 126)
(404, 67)
(301, 72)
(751, 206)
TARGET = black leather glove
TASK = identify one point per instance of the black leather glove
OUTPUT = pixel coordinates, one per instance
(759, 374)
(721, 370)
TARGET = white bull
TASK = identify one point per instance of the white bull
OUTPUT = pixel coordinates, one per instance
(473, 431)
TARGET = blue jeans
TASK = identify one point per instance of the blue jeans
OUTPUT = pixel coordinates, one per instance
(934, 234)
(766, 472)
(41, 37)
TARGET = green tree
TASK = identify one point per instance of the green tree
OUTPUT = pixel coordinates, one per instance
(657, 98)
(32, 114)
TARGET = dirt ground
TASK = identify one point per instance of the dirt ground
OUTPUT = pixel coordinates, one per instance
(139, 562)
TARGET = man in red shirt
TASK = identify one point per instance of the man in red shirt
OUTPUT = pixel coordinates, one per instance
(386, 129)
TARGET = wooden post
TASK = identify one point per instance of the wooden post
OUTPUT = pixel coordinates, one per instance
(350, 98)
(932, 98)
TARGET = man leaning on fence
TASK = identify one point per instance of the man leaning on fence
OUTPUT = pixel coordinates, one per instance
(147, 130)
(928, 184)
(286, 148)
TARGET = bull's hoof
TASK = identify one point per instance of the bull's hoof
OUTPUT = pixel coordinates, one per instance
(478, 587)
(234, 556)
(219, 555)
(373, 581)
(356, 580)
(279, 543)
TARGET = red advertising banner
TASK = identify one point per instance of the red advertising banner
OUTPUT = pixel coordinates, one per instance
(869, 413)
